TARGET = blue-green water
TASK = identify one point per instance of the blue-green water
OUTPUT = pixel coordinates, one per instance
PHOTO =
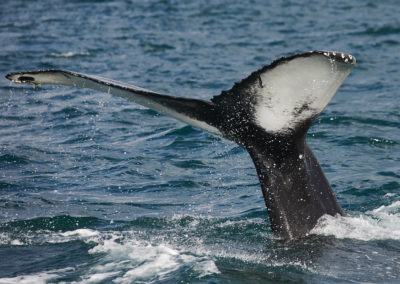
(94, 189)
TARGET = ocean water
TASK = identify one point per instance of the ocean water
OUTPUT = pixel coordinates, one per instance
(95, 189)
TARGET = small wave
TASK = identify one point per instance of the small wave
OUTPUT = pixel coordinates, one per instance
(81, 233)
(140, 260)
(4, 239)
(124, 258)
(373, 141)
(359, 121)
(381, 31)
(46, 236)
(69, 54)
(379, 224)
(13, 159)
(57, 223)
(153, 47)
(37, 278)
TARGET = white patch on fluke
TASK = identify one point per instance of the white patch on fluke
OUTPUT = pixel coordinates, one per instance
(297, 90)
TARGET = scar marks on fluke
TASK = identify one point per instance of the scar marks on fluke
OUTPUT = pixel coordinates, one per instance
(347, 58)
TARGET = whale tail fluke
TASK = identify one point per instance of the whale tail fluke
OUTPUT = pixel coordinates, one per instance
(280, 97)
(268, 113)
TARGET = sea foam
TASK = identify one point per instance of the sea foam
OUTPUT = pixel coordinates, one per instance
(378, 224)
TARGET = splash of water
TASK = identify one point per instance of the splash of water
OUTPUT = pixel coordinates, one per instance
(378, 224)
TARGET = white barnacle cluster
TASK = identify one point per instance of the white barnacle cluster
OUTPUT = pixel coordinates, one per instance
(345, 57)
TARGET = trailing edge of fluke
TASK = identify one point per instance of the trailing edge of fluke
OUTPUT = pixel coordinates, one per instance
(268, 114)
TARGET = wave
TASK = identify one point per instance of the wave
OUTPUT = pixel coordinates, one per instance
(166, 249)
(141, 260)
(69, 54)
(382, 223)
(124, 258)
(37, 278)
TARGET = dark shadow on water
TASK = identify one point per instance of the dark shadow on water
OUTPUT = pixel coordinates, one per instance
(280, 262)
(25, 260)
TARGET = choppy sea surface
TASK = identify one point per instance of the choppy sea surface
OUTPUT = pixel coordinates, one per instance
(95, 189)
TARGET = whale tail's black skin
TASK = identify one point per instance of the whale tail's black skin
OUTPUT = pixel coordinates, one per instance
(268, 114)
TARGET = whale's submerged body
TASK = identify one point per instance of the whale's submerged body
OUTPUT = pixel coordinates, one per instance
(268, 113)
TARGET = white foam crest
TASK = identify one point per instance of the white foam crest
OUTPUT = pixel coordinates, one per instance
(46, 236)
(69, 54)
(84, 233)
(206, 267)
(135, 260)
(28, 279)
(16, 242)
(124, 258)
(9, 239)
(98, 277)
(37, 278)
(4, 239)
(379, 224)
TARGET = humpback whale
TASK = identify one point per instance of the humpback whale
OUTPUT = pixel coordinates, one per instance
(268, 114)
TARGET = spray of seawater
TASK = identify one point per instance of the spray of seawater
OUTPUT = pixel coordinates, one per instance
(203, 247)
(379, 224)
